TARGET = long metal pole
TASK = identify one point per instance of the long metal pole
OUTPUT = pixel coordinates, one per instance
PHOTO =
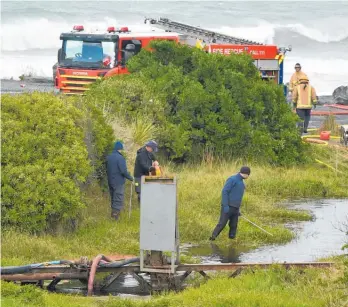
(256, 225)
(130, 200)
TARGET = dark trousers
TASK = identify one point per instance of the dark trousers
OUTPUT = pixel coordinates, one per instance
(305, 115)
(230, 215)
(117, 197)
(138, 188)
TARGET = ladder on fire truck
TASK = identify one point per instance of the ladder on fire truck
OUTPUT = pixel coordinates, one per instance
(197, 33)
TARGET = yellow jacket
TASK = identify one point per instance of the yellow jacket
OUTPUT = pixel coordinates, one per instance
(295, 79)
(303, 96)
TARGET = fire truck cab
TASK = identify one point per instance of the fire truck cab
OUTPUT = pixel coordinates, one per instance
(86, 57)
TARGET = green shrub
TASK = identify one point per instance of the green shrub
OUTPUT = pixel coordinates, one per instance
(198, 101)
(45, 159)
(21, 296)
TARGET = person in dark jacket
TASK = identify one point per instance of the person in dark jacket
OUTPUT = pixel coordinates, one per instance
(117, 174)
(232, 195)
(144, 164)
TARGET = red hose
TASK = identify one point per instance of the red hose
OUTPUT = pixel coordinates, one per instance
(338, 106)
(94, 266)
(344, 112)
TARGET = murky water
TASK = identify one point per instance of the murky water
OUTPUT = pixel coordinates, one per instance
(322, 237)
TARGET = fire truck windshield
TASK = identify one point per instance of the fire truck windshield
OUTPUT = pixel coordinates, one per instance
(82, 54)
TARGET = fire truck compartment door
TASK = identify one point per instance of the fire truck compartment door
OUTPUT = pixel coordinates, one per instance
(267, 64)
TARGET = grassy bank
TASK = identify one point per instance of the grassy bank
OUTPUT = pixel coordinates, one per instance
(272, 288)
(199, 202)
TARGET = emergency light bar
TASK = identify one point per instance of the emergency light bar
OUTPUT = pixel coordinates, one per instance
(113, 29)
(78, 28)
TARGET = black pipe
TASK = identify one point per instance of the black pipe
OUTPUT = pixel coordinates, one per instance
(19, 269)
(119, 264)
(27, 268)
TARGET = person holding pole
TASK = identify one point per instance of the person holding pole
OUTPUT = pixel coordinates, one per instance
(117, 173)
(232, 195)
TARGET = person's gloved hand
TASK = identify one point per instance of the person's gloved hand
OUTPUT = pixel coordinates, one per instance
(136, 183)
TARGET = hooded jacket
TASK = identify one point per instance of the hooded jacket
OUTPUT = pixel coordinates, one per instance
(233, 191)
(117, 169)
(143, 162)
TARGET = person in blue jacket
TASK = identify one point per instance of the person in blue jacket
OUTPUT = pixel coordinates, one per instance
(232, 195)
(117, 174)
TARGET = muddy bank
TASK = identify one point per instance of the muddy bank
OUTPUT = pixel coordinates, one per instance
(322, 237)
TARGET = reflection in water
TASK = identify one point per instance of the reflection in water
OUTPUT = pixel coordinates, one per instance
(321, 237)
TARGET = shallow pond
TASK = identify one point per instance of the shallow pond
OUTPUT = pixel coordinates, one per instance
(321, 237)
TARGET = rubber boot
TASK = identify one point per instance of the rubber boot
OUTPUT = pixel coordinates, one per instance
(115, 214)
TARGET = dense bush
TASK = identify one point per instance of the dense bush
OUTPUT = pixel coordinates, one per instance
(200, 101)
(45, 158)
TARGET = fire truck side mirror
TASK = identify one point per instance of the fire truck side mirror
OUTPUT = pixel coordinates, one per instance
(60, 55)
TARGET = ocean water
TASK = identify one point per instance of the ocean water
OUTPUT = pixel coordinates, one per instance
(317, 31)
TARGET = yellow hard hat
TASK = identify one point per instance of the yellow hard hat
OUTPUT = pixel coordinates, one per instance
(304, 79)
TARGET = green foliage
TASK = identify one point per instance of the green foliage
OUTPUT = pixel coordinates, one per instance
(142, 131)
(198, 101)
(98, 136)
(20, 296)
(45, 159)
(274, 287)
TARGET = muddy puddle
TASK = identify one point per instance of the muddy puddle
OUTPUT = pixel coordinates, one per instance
(322, 237)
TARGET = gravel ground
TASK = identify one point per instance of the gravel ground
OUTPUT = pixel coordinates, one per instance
(25, 86)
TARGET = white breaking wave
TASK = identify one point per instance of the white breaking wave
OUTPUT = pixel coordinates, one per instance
(265, 32)
(322, 36)
(42, 33)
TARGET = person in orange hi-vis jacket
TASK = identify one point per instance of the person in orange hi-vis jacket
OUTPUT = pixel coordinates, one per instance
(295, 78)
(303, 98)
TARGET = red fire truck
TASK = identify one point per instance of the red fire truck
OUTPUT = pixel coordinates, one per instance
(85, 56)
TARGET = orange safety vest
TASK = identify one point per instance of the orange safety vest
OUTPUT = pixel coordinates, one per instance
(303, 95)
